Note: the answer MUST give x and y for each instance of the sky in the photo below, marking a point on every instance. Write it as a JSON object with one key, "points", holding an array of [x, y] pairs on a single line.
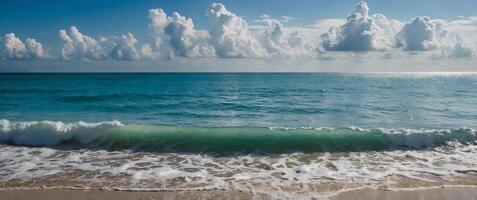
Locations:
{"points": [[238, 36]]}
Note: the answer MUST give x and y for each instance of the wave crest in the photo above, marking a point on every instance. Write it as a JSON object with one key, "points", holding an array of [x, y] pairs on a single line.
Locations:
{"points": [[113, 135], [47, 133]]}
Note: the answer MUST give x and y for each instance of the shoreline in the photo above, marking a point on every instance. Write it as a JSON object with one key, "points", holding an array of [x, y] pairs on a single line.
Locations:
{"points": [[462, 192], [463, 187]]}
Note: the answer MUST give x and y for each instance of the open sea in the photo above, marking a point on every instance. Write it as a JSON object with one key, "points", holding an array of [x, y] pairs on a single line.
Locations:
{"points": [[269, 133]]}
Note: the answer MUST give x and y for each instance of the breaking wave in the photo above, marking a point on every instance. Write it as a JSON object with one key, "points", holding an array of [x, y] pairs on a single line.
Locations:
{"points": [[115, 135]]}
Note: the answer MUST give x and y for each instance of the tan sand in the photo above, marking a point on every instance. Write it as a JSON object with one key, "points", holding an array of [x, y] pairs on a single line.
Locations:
{"points": [[71, 194], [364, 194], [422, 194]]}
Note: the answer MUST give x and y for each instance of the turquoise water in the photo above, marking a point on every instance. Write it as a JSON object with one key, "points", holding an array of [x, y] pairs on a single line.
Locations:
{"points": [[229, 112], [250, 140], [257, 100]]}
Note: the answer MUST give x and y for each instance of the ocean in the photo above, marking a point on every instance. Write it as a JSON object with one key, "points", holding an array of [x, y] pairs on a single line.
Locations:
{"points": [[267, 133]]}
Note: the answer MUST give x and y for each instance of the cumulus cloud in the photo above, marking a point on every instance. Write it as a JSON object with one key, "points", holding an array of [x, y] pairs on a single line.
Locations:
{"points": [[465, 26], [230, 36], [364, 32], [460, 50], [16, 49], [125, 48], [147, 53], [176, 35], [185, 40], [274, 40], [79, 46], [421, 34], [277, 44], [360, 32], [35, 48], [424, 34], [159, 21], [455, 49]]}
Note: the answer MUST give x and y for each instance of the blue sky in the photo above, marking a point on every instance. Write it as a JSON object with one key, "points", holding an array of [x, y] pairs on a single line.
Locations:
{"points": [[40, 18], [110, 19]]}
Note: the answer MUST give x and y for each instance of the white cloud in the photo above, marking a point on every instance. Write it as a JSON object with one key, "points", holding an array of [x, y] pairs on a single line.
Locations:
{"points": [[125, 48], [364, 32], [175, 35], [187, 41], [455, 49], [103, 39], [36, 48], [465, 26], [147, 53], [79, 46], [230, 36], [360, 32], [323, 25], [460, 50], [16, 49], [425, 34], [159, 21], [267, 19], [278, 44], [421, 34], [274, 40]]}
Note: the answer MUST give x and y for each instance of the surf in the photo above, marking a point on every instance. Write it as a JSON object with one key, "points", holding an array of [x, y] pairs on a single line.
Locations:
{"points": [[115, 135]]}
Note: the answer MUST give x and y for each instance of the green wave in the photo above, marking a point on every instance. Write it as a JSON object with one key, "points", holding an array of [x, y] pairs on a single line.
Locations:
{"points": [[248, 140], [114, 135]]}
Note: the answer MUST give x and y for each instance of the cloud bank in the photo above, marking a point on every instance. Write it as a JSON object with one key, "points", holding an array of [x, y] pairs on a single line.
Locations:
{"points": [[227, 35]]}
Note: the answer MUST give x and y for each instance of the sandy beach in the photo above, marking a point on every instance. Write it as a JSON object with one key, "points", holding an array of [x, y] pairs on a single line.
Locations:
{"points": [[82, 185], [462, 193]]}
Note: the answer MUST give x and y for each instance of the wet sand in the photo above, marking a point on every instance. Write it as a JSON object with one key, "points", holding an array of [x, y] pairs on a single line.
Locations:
{"points": [[72, 194], [463, 193], [421, 194], [431, 187]]}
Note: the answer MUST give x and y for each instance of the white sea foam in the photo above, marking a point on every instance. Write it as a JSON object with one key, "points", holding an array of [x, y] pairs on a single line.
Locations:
{"points": [[260, 174], [406, 137], [41, 133], [272, 174]]}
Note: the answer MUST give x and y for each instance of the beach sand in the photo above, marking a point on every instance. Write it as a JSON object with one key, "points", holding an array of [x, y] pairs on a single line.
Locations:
{"points": [[462, 188], [72, 194], [364, 194], [418, 194]]}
